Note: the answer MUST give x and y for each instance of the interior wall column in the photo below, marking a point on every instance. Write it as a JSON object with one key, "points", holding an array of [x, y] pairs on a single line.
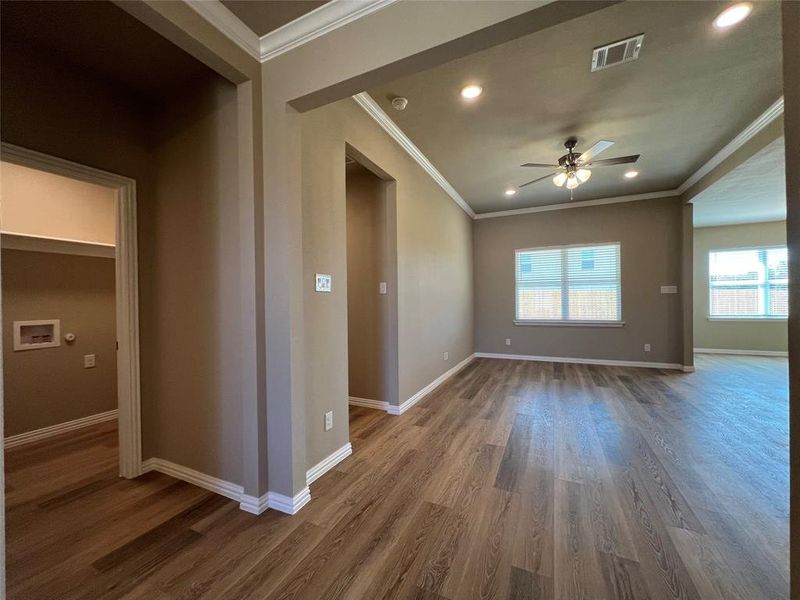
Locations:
{"points": [[283, 229], [791, 95], [251, 243], [687, 284]]}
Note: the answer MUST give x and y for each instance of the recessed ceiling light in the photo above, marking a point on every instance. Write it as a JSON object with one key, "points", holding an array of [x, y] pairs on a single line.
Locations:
{"points": [[733, 15], [631, 174], [471, 91], [510, 192]]}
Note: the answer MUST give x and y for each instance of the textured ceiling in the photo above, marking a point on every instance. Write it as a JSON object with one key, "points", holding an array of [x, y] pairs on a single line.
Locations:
{"points": [[691, 91], [263, 16], [753, 192]]}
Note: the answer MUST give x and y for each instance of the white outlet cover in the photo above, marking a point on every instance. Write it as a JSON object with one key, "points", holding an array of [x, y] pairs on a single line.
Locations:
{"points": [[669, 289], [508, 341], [329, 420], [322, 282], [447, 356], [89, 361], [647, 347]]}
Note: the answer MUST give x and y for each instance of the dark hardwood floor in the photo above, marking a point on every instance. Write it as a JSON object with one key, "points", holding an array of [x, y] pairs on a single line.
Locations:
{"points": [[513, 480]]}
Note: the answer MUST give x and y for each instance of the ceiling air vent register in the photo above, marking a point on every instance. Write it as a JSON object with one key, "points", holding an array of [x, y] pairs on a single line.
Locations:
{"points": [[617, 53]]}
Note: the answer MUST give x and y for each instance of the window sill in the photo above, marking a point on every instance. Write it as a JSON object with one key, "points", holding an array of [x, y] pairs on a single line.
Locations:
{"points": [[555, 323], [748, 319]]}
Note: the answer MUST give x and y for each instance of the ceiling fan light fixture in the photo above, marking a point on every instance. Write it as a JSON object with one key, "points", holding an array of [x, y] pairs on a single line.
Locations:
{"points": [[631, 174], [583, 175], [510, 192], [572, 181], [560, 179]]}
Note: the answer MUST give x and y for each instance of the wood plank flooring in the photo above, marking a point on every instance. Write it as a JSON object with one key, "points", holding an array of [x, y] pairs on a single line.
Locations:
{"points": [[514, 480]]}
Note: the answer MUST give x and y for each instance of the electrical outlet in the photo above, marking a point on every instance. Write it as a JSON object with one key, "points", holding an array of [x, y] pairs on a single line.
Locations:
{"points": [[88, 361], [508, 341], [647, 347], [447, 356], [329, 420]]}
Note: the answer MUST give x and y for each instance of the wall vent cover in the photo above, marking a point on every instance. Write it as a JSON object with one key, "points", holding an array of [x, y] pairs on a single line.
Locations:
{"points": [[617, 53]]}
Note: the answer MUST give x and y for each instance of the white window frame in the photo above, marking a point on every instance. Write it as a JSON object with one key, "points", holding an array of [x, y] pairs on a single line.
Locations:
{"points": [[564, 287], [710, 286]]}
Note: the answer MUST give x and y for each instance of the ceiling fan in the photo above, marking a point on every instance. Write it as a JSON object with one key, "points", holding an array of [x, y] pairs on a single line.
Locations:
{"points": [[572, 168]]}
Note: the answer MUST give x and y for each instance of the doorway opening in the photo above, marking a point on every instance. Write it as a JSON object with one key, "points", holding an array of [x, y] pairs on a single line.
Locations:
{"points": [[70, 309], [371, 290]]}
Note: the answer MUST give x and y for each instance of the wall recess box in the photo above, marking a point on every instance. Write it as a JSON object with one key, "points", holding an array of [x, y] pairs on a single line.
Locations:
{"points": [[32, 335]]}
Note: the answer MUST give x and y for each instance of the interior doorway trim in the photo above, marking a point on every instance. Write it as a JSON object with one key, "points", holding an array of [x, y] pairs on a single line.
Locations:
{"points": [[127, 292]]}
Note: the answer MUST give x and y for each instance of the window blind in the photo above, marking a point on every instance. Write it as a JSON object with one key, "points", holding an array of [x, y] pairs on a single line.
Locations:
{"points": [[751, 283], [568, 283]]}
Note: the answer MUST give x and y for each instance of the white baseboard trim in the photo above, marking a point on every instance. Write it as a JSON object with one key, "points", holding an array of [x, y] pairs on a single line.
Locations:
{"points": [[207, 482], [327, 463], [367, 403], [742, 352], [47, 432], [399, 410], [583, 361], [279, 502], [234, 491], [688, 369]]}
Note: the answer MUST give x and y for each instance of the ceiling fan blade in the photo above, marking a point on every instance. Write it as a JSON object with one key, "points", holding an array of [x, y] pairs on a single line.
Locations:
{"points": [[620, 160], [539, 179], [594, 151], [539, 165]]}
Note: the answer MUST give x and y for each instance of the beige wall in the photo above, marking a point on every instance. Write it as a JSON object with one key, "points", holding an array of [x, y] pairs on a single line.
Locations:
{"points": [[365, 306], [650, 235], [434, 268], [735, 335], [43, 204], [50, 386], [185, 166]]}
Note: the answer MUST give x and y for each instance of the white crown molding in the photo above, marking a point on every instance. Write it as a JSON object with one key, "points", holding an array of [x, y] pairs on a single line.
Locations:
{"points": [[216, 13], [207, 482], [768, 116], [47, 432], [583, 361], [580, 204], [371, 107], [741, 352], [327, 463], [10, 240], [328, 17]]}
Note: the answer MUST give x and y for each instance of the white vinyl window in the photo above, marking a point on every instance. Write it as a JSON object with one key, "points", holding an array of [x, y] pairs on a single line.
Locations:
{"points": [[748, 283], [569, 284]]}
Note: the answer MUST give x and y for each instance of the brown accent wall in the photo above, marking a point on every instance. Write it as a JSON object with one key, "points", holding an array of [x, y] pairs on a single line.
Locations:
{"points": [[49, 386], [651, 239]]}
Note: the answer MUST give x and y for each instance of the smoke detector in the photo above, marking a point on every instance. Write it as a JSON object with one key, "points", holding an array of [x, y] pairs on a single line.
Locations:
{"points": [[617, 53], [399, 103]]}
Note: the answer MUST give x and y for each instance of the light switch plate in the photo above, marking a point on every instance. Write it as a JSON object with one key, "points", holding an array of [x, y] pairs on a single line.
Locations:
{"points": [[88, 361], [669, 289], [329, 420], [322, 282], [382, 287]]}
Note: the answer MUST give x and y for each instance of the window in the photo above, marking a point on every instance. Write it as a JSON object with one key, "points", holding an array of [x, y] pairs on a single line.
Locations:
{"points": [[749, 284], [569, 283]]}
